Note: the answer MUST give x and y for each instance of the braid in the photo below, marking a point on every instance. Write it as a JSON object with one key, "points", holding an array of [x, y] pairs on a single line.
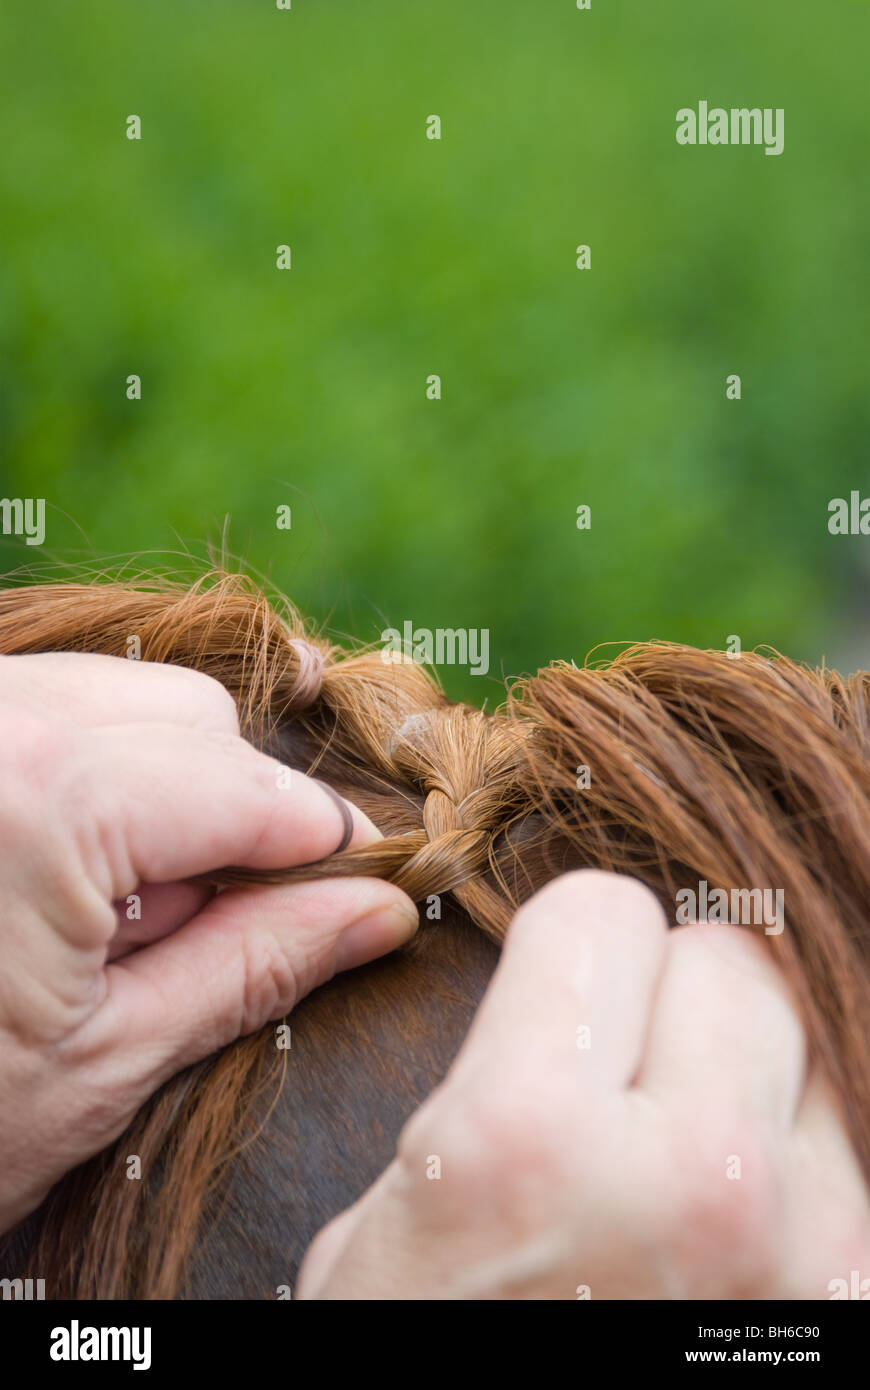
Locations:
{"points": [[739, 772]]}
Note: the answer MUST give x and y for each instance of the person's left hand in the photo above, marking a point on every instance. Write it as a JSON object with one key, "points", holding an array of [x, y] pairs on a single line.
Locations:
{"points": [[119, 780]]}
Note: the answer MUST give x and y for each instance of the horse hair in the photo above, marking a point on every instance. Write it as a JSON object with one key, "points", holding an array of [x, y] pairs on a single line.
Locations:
{"points": [[746, 772]]}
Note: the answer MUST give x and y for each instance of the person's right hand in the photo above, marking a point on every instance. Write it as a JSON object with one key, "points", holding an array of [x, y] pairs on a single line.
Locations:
{"points": [[684, 1153]]}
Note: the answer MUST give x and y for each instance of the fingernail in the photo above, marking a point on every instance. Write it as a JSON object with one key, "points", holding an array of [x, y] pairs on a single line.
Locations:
{"points": [[358, 829], [365, 832], [376, 934]]}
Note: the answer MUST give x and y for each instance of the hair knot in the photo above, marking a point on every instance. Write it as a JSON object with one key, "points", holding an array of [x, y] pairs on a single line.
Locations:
{"points": [[309, 677]]}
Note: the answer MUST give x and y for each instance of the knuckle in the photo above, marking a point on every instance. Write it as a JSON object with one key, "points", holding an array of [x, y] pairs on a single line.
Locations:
{"points": [[752, 983], [271, 982], [215, 705], [743, 950], [513, 1146], [726, 1208], [596, 890], [56, 845], [632, 900], [37, 770], [230, 743], [32, 747]]}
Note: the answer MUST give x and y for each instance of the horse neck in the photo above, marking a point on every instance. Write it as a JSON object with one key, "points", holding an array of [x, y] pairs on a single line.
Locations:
{"points": [[365, 1051]]}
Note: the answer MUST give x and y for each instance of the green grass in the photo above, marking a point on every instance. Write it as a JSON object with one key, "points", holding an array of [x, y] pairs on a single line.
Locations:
{"points": [[413, 257]]}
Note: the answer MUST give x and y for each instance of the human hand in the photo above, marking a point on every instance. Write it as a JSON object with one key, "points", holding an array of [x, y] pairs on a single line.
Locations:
{"points": [[122, 778], [685, 1152]]}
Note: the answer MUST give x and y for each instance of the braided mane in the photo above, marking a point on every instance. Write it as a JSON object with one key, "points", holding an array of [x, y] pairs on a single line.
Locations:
{"points": [[742, 772]]}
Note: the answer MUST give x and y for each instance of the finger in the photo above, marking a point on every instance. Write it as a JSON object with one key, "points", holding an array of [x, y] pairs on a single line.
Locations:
{"points": [[157, 909], [91, 689], [334, 1243], [248, 957], [725, 1028], [827, 1202], [575, 982], [820, 1131], [168, 803]]}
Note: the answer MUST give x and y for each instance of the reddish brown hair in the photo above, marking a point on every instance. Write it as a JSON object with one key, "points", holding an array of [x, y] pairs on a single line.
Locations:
{"points": [[745, 772]]}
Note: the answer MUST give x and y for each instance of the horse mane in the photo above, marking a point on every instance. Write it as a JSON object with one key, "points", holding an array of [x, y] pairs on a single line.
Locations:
{"points": [[746, 772]]}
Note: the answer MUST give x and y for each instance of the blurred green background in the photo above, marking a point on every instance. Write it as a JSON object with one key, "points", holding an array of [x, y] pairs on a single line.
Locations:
{"points": [[413, 257]]}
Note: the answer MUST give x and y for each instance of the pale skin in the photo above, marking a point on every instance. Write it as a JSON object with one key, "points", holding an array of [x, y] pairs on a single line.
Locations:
{"points": [[684, 1149], [688, 1151], [122, 778]]}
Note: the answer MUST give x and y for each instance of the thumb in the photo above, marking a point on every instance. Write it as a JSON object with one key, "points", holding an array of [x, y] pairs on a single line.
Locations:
{"points": [[248, 957]]}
